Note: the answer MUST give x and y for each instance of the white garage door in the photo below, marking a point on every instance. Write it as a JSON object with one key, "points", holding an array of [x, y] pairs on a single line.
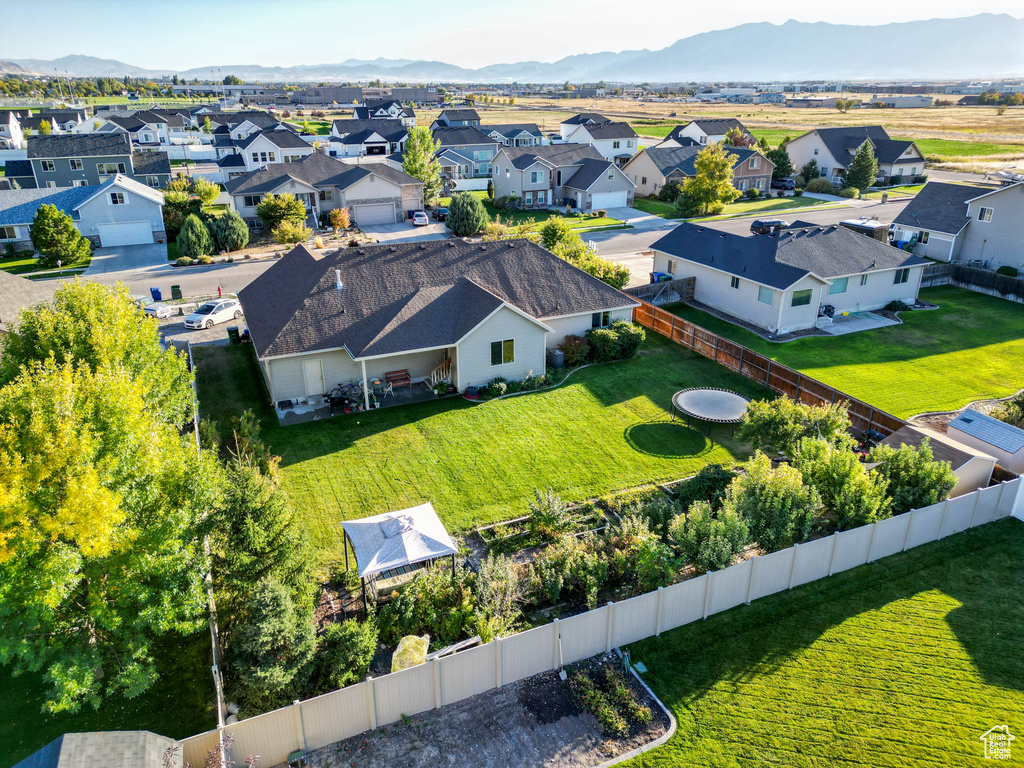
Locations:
{"points": [[125, 233], [366, 215], [608, 200]]}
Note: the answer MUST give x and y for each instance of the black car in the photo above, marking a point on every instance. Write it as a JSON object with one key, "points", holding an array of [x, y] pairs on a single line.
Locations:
{"points": [[440, 214], [767, 226], [786, 183]]}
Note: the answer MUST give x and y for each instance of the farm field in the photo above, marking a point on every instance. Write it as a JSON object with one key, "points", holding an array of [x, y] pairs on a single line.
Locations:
{"points": [[902, 662], [971, 348], [605, 429]]}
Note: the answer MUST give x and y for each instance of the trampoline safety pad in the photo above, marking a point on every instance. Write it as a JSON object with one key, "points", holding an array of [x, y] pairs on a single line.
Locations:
{"points": [[718, 406]]}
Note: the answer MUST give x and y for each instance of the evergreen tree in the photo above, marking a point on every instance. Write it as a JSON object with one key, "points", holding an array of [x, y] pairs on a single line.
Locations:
{"points": [[490, 189], [466, 215], [420, 161], [783, 165], [810, 171], [230, 232], [56, 238], [863, 169], [194, 239], [711, 187]]}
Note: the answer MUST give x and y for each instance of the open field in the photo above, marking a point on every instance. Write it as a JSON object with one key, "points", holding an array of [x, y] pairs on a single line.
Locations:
{"points": [[902, 662], [971, 348], [179, 704], [606, 429]]}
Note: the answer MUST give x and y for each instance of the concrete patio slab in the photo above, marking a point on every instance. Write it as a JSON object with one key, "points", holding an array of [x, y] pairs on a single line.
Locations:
{"points": [[854, 322]]}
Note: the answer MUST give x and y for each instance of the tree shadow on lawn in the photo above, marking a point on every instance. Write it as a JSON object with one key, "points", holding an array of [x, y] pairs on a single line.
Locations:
{"points": [[667, 439], [979, 568]]}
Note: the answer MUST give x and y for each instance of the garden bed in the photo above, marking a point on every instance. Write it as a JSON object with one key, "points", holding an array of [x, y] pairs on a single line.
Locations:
{"points": [[512, 536]]}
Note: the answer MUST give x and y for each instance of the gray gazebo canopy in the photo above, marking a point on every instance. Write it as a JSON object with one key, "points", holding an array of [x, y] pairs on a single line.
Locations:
{"points": [[395, 539]]}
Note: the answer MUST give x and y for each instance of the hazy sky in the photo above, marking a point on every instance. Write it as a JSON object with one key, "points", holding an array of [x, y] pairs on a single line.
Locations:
{"points": [[196, 33]]}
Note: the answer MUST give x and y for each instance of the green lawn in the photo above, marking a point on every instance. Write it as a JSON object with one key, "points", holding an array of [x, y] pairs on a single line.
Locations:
{"points": [[951, 149], [903, 662], [971, 348], [903, 191], [322, 127], [776, 135], [740, 207], [179, 705], [20, 266], [606, 429]]}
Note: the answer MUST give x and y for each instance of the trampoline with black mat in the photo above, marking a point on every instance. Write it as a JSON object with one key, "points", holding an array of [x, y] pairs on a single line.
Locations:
{"points": [[710, 404]]}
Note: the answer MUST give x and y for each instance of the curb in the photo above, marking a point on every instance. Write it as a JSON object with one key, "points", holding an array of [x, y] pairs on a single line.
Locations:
{"points": [[672, 726]]}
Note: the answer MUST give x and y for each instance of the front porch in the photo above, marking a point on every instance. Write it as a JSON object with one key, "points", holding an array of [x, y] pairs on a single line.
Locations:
{"points": [[316, 409]]}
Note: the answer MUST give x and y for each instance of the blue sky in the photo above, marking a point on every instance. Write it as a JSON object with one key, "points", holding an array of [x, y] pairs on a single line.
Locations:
{"points": [[156, 34]]}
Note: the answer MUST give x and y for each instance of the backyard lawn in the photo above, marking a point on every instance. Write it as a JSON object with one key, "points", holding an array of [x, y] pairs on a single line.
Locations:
{"points": [[606, 429], [903, 662], [179, 704], [740, 207], [971, 348]]}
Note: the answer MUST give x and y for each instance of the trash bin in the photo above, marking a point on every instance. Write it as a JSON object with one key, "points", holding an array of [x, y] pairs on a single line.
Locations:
{"points": [[411, 214], [155, 293], [555, 358], [885, 198], [175, 291], [234, 335]]}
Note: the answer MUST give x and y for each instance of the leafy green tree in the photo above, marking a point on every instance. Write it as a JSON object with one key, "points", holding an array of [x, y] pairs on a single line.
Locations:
{"points": [[206, 190], [776, 505], [863, 169], [707, 485], [555, 231], [233, 80], [913, 478], [194, 239], [94, 325], [810, 170], [637, 559], [780, 424], [737, 138], [273, 209], [466, 214], [101, 546], [850, 494], [207, 125], [345, 653], [419, 159], [711, 186], [1012, 411], [270, 655], [783, 165], [55, 237], [763, 146], [290, 232], [230, 232], [45, 129], [708, 539]]}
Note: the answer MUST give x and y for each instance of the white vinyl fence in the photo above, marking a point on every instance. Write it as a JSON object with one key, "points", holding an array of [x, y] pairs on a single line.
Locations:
{"points": [[314, 723]]}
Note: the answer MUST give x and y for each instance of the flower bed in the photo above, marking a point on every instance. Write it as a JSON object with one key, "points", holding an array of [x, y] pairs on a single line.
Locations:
{"points": [[514, 535]]}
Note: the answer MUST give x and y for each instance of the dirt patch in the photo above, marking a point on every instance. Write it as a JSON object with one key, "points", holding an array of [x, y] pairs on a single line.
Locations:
{"points": [[534, 722], [940, 421]]}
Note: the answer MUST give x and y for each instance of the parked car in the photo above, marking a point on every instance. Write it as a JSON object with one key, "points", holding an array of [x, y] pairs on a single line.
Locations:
{"points": [[440, 214], [419, 219], [784, 183], [213, 312], [767, 226], [153, 308]]}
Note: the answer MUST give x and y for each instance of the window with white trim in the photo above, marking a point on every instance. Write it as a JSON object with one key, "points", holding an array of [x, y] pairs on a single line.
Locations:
{"points": [[922, 236], [541, 197], [601, 319], [8, 233], [51, 184], [643, 179], [79, 182], [251, 201], [755, 162], [765, 295], [503, 352], [902, 276], [615, 145], [326, 195], [153, 181], [815, 150], [536, 177], [672, 265], [839, 285], [48, 166], [77, 165], [734, 282], [801, 298], [109, 169], [118, 198], [863, 279], [482, 154], [985, 214], [527, 198]]}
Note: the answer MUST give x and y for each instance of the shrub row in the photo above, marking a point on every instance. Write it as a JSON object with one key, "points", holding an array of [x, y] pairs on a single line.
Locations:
{"points": [[619, 341], [499, 385]]}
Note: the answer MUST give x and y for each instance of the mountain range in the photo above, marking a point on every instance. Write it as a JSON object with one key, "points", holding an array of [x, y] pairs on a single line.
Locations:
{"points": [[981, 46]]}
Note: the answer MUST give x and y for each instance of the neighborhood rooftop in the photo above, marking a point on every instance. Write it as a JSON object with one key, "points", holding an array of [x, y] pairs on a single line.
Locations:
{"points": [[939, 207], [668, 159], [555, 154], [1003, 436], [315, 170], [75, 145]]}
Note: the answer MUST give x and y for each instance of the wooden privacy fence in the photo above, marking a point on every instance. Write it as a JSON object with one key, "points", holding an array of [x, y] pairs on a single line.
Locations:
{"points": [[315, 723], [973, 279], [756, 367]]}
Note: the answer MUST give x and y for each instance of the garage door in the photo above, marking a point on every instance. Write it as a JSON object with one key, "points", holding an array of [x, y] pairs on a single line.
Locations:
{"points": [[374, 214], [125, 233], [608, 200]]}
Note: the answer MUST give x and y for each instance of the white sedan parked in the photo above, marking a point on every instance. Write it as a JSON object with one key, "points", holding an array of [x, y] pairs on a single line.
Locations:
{"points": [[213, 312]]}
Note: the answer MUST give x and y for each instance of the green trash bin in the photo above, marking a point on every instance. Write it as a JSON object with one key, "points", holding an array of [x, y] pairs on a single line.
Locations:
{"points": [[175, 291], [234, 335]]}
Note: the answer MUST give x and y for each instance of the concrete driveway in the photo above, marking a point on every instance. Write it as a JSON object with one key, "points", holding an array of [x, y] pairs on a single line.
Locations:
{"points": [[406, 233], [127, 257]]}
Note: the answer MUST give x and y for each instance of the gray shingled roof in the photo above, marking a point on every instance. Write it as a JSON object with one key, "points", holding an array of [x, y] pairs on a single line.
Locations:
{"points": [[668, 159], [611, 131], [590, 170], [556, 154], [780, 260], [392, 130], [151, 163], [459, 114], [994, 432], [104, 749], [283, 139], [461, 135], [585, 118], [18, 168], [409, 296], [843, 141], [712, 126], [79, 145], [18, 206], [317, 170], [939, 207], [363, 113], [511, 130]]}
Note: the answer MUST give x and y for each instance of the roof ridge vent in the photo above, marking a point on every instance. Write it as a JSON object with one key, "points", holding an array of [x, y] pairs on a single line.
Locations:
{"points": [[392, 249], [483, 246], [423, 246]]}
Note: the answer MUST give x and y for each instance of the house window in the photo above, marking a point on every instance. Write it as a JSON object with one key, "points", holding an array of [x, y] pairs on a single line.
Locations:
{"points": [[251, 201], [802, 298], [615, 145], [815, 151], [902, 276], [601, 319], [51, 184], [147, 137], [839, 285], [629, 143], [117, 198], [77, 165], [611, 176], [47, 165], [536, 177], [326, 195], [527, 198], [765, 295], [482, 154], [7, 233], [755, 162], [922, 237], [863, 279], [541, 197], [270, 156], [643, 179], [106, 169], [153, 181], [703, 139], [255, 157], [78, 182], [559, 179], [734, 282], [508, 172], [503, 352], [672, 264], [913, 171], [742, 185], [985, 214]]}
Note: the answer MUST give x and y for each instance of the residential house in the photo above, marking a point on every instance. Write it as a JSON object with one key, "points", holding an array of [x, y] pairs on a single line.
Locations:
{"points": [[654, 167], [973, 468], [834, 148], [385, 110], [570, 124], [597, 185], [456, 118], [109, 749], [32, 126], [445, 309], [617, 142], [374, 193], [120, 211], [704, 131], [356, 138], [90, 159], [67, 120], [780, 282], [466, 152], [537, 175], [995, 236], [1003, 441], [515, 134], [146, 132], [11, 134], [263, 148]]}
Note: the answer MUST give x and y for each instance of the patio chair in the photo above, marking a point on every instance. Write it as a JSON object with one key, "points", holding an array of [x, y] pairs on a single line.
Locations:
{"points": [[387, 389]]}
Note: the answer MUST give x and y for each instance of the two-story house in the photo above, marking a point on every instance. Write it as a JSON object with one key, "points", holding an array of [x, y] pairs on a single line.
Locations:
{"points": [[385, 110], [617, 142], [357, 138], [456, 118], [266, 147], [558, 175], [67, 120], [145, 134], [466, 152], [654, 167], [11, 134], [834, 148], [704, 131], [515, 134], [570, 124], [74, 160]]}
